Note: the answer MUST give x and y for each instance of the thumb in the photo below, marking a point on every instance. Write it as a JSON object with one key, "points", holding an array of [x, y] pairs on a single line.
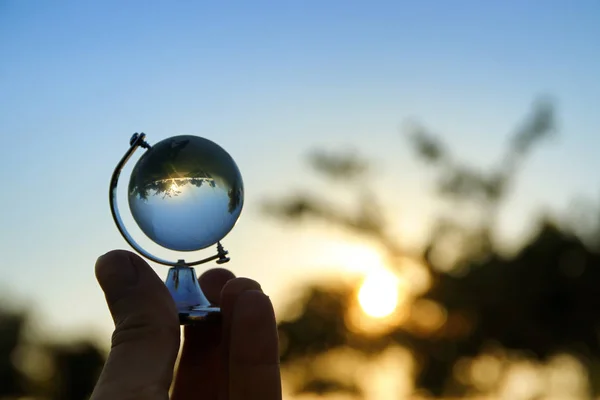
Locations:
{"points": [[146, 337]]}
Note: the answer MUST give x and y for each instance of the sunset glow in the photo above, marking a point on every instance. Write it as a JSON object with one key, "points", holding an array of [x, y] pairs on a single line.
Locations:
{"points": [[378, 295]]}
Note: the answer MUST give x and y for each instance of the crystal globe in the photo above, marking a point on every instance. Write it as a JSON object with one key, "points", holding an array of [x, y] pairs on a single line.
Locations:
{"points": [[186, 193]]}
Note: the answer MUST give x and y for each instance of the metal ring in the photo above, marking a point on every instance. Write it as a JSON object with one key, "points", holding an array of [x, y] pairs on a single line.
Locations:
{"points": [[137, 141]]}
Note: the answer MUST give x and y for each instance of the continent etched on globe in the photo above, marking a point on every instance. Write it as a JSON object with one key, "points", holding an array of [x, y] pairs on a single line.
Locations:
{"points": [[186, 193]]}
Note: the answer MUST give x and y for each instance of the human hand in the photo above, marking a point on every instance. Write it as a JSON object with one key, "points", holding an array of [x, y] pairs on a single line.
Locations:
{"points": [[236, 359]]}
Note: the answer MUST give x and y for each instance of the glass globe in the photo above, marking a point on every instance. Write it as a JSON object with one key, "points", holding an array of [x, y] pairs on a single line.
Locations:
{"points": [[186, 193]]}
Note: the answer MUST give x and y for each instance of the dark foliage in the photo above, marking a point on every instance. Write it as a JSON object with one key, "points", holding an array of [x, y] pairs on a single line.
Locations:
{"points": [[12, 381], [74, 368], [77, 368], [543, 300]]}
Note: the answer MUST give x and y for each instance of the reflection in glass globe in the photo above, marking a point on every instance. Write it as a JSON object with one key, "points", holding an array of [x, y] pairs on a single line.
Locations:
{"points": [[186, 193]]}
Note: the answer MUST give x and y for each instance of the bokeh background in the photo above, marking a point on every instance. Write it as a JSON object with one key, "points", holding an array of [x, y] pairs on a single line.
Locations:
{"points": [[421, 184]]}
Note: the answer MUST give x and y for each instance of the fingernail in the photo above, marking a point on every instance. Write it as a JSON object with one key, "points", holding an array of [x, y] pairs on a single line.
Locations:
{"points": [[254, 333]]}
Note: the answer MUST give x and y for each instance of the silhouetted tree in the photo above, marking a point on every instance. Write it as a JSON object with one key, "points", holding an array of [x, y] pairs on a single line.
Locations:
{"points": [[542, 300], [173, 163], [77, 368], [12, 382], [73, 368]]}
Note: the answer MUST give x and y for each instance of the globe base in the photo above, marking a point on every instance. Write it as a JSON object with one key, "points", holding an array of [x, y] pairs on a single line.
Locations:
{"points": [[199, 315], [192, 306]]}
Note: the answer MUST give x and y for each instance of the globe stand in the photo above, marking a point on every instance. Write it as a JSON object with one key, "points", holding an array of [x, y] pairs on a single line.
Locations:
{"points": [[192, 305]]}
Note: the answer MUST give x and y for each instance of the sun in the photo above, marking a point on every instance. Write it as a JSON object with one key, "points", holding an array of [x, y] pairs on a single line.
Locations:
{"points": [[381, 292], [378, 294]]}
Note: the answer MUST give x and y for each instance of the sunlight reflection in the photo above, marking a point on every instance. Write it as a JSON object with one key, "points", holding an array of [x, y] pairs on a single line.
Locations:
{"points": [[566, 376], [513, 375], [387, 376], [426, 316]]}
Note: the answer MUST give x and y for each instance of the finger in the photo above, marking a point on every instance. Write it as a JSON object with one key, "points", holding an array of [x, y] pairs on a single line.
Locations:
{"points": [[199, 365], [146, 337], [213, 281], [203, 367], [254, 350], [229, 298]]}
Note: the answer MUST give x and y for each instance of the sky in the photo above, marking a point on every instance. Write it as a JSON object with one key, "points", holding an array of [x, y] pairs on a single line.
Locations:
{"points": [[268, 81]]}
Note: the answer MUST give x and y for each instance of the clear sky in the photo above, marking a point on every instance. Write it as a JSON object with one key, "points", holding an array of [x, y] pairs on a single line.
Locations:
{"points": [[268, 80]]}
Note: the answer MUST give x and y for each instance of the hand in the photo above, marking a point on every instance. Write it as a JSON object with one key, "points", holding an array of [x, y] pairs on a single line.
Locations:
{"points": [[232, 360]]}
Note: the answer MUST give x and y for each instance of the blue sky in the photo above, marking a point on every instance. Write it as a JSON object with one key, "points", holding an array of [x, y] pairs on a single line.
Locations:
{"points": [[268, 80]]}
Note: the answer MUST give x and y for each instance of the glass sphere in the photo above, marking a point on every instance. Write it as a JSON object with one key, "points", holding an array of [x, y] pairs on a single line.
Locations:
{"points": [[186, 193]]}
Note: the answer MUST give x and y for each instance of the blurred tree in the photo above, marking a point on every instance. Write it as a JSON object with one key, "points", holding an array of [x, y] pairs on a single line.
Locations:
{"points": [[73, 368], [76, 369], [544, 300], [12, 382]]}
